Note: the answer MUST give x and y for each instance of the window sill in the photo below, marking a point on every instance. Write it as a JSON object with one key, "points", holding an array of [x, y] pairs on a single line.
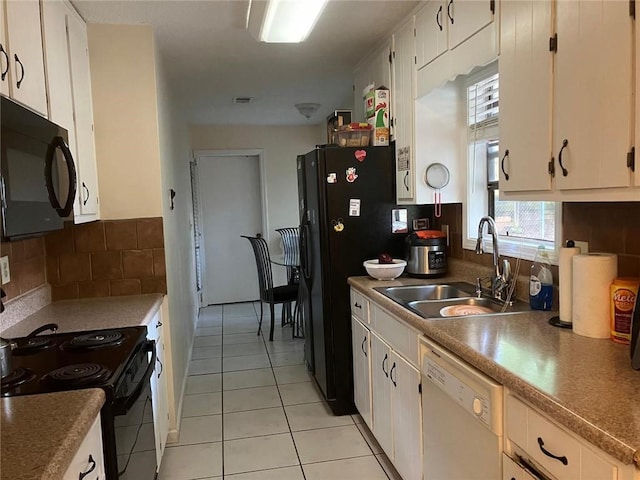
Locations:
{"points": [[510, 247]]}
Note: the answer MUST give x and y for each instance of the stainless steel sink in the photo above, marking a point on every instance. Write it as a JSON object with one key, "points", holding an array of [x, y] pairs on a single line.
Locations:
{"points": [[410, 293], [428, 301]]}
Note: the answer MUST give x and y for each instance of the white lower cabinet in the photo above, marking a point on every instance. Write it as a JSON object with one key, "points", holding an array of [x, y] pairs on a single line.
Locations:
{"points": [[387, 390], [361, 345], [88, 462], [159, 397], [396, 406], [512, 471], [553, 450]]}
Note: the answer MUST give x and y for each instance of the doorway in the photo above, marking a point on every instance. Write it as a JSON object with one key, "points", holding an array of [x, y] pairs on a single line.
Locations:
{"points": [[231, 204]]}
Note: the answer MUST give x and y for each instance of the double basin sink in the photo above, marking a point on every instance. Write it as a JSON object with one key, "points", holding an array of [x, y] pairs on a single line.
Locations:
{"points": [[454, 299]]}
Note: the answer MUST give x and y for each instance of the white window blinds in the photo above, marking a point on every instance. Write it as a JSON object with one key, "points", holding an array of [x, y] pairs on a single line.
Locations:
{"points": [[483, 98]]}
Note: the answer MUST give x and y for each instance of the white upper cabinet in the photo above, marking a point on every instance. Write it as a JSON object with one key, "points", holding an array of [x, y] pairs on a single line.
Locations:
{"points": [[445, 25], [4, 55], [525, 95], [402, 94], [83, 113], [24, 41], [432, 25], [70, 102], [375, 69], [467, 17], [593, 94]]}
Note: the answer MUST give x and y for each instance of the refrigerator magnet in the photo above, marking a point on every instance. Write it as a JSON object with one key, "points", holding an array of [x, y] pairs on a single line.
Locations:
{"points": [[338, 226], [351, 174], [354, 207], [332, 178], [360, 155]]}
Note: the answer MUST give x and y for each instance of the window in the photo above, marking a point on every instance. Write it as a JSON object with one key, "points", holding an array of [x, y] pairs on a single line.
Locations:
{"points": [[522, 225]]}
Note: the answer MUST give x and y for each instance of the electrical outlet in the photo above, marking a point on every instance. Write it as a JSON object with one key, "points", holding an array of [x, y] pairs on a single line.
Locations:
{"points": [[584, 246], [4, 269], [445, 229]]}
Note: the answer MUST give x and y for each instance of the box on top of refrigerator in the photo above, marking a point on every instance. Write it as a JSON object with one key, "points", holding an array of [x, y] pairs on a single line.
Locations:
{"points": [[377, 112]]}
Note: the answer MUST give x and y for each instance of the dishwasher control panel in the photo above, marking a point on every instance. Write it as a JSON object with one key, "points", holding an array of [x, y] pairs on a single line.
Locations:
{"points": [[472, 401], [477, 394]]}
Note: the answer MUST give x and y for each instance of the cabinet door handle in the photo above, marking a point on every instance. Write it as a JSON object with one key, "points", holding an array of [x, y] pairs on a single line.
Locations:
{"points": [[562, 459], [357, 305], [565, 172], [449, 11], [364, 340], [384, 360], [393, 368], [3, 75], [159, 324], [161, 367], [439, 18], [15, 57], [506, 154], [406, 181], [91, 469], [86, 189]]}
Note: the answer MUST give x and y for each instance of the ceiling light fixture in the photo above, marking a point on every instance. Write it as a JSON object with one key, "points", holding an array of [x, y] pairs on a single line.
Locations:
{"points": [[307, 109], [283, 21]]}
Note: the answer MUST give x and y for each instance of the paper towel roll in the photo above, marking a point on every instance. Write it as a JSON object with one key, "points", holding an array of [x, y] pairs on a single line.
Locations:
{"points": [[565, 282], [592, 277]]}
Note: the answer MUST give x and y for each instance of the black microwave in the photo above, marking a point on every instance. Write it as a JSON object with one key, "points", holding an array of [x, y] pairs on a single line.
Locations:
{"points": [[37, 173]]}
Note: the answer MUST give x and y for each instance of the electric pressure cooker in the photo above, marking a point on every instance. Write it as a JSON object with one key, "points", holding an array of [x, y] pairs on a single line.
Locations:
{"points": [[426, 253]]}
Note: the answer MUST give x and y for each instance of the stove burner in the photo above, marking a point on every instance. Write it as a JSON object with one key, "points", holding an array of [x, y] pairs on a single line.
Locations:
{"points": [[17, 377], [35, 344], [94, 340], [79, 374]]}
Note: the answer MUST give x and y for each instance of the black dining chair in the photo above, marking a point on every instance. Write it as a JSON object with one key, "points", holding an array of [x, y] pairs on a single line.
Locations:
{"points": [[268, 293], [291, 247]]}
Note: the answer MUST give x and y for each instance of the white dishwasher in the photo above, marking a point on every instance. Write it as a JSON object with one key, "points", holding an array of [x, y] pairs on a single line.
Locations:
{"points": [[462, 418]]}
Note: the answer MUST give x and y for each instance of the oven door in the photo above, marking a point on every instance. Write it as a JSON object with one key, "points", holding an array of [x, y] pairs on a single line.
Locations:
{"points": [[131, 422]]}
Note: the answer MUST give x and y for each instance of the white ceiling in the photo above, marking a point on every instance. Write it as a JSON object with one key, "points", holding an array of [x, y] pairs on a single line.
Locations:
{"points": [[212, 58]]}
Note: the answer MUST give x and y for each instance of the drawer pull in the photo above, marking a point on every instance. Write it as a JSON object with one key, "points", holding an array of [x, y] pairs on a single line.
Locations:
{"points": [[357, 305], [91, 469], [562, 459]]}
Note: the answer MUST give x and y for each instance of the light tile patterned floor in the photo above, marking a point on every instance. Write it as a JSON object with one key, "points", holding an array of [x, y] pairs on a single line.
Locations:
{"points": [[252, 412]]}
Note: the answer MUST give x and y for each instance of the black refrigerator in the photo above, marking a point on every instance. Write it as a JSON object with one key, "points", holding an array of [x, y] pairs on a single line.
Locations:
{"points": [[346, 198]]}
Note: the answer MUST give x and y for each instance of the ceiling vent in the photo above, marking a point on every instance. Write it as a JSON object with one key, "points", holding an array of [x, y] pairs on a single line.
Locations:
{"points": [[242, 100]]}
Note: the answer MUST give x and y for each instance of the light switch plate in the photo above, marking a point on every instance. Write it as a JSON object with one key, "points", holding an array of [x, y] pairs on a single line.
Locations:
{"points": [[4, 270], [584, 246]]}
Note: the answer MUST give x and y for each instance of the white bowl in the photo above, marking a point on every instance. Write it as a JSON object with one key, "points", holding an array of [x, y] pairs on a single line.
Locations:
{"points": [[385, 271]]}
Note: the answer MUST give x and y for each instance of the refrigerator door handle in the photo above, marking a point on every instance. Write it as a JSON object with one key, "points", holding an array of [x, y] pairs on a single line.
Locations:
{"points": [[305, 252]]}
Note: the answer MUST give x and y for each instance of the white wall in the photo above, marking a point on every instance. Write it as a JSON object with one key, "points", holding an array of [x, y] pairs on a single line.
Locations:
{"points": [[280, 145], [124, 100], [142, 150], [178, 233]]}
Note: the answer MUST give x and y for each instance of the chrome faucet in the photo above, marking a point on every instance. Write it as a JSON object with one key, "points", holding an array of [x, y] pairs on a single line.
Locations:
{"points": [[501, 280]]}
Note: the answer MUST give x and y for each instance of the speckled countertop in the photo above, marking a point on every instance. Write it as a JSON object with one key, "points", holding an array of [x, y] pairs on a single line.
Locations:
{"points": [[585, 384], [90, 314], [41, 433]]}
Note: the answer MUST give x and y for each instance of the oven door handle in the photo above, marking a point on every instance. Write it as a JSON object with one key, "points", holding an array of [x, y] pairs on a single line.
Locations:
{"points": [[123, 404]]}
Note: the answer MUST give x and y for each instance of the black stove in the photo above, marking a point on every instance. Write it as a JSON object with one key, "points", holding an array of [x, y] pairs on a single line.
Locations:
{"points": [[119, 361], [67, 361]]}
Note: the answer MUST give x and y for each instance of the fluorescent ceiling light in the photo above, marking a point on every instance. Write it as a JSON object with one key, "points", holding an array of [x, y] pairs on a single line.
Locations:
{"points": [[290, 21]]}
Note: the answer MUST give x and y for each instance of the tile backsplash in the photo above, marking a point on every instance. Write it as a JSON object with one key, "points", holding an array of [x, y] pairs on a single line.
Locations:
{"points": [[98, 259], [26, 265], [612, 227], [106, 258]]}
